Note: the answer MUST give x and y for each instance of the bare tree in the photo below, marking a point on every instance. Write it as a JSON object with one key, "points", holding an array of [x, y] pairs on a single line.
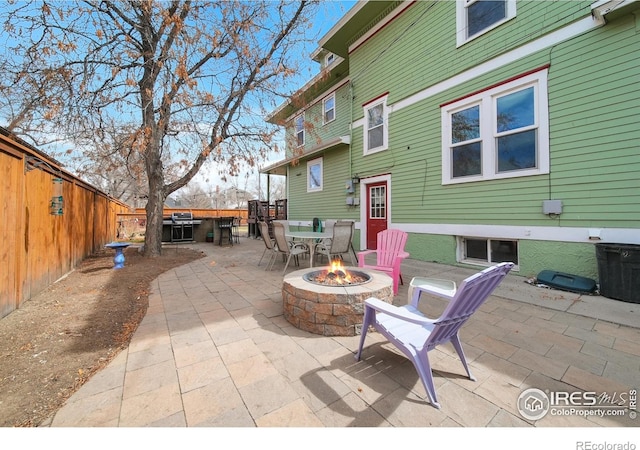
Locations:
{"points": [[189, 79], [193, 195]]}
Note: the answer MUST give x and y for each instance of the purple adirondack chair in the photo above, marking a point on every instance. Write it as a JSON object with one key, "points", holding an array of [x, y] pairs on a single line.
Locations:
{"points": [[415, 334]]}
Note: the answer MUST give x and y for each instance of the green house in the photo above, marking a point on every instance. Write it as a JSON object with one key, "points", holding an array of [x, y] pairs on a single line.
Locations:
{"points": [[488, 130]]}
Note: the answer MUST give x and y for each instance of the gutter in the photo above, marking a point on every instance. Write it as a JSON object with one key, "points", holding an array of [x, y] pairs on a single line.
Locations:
{"points": [[341, 140]]}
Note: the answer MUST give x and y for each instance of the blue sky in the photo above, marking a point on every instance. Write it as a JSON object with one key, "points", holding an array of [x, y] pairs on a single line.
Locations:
{"points": [[332, 11], [329, 13]]}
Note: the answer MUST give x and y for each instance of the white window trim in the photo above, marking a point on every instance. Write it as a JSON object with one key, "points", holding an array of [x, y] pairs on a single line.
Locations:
{"points": [[461, 253], [385, 123], [296, 132], [311, 163], [329, 59], [487, 101], [461, 21], [324, 109]]}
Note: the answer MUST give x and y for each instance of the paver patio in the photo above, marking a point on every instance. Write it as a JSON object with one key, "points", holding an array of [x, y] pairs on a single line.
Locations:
{"points": [[215, 351]]}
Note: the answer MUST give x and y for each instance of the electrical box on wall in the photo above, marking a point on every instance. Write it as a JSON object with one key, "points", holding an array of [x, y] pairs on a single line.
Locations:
{"points": [[349, 186], [552, 206], [353, 201]]}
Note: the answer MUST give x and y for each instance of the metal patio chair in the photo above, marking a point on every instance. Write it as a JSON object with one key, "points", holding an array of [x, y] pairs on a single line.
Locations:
{"points": [[290, 249], [269, 244], [340, 242]]}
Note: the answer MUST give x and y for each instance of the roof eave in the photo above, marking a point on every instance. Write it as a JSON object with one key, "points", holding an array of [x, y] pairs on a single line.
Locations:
{"points": [[280, 167]]}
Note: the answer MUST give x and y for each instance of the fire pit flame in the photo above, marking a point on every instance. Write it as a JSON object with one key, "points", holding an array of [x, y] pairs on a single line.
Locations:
{"points": [[337, 275]]}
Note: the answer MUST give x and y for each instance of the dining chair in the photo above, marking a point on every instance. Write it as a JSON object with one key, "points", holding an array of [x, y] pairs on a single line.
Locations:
{"points": [[285, 224], [340, 242], [415, 334], [269, 244], [290, 249]]}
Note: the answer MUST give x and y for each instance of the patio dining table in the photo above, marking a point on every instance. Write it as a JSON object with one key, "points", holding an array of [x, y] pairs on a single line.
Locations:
{"points": [[309, 238]]}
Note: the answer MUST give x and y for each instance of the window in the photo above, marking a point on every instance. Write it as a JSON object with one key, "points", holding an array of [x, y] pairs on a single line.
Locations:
{"points": [[378, 202], [329, 59], [376, 133], [329, 107], [487, 251], [300, 130], [314, 175], [476, 17], [497, 133]]}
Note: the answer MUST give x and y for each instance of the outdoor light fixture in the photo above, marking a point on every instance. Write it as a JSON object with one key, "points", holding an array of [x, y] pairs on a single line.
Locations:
{"points": [[355, 179], [55, 206], [56, 199]]}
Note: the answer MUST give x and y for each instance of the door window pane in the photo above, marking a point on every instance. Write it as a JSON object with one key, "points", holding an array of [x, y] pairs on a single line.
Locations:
{"points": [[378, 202]]}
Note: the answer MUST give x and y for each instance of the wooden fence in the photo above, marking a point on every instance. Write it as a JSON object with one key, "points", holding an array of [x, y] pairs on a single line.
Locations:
{"points": [[41, 242]]}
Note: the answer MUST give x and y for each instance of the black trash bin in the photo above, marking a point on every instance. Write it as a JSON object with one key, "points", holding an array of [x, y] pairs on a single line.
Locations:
{"points": [[619, 271]]}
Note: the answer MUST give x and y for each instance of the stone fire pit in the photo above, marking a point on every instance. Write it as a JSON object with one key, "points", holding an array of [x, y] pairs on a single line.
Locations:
{"points": [[331, 310]]}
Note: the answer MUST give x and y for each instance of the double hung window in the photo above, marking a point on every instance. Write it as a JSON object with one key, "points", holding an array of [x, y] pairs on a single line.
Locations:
{"points": [[476, 17], [376, 132], [299, 122], [501, 132], [329, 108], [314, 175]]}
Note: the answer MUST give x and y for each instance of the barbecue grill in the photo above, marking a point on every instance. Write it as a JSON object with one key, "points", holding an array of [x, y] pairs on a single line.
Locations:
{"points": [[182, 224]]}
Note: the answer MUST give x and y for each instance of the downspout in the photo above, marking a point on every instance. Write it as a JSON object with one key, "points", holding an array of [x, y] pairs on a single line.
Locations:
{"points": [[350, 128]]}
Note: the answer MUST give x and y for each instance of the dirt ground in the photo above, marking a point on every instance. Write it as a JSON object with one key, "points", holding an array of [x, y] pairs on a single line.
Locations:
{"points": [[57, 340]]}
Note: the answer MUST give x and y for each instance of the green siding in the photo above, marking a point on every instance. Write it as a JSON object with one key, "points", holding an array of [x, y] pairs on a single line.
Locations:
{"points": [[594, 110], [594, 102], [424, 35], [594, 133], [317, 132], [330, 203]]}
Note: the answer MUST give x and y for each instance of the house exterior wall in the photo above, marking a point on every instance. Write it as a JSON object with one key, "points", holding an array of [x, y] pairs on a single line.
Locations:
{"points": [[316, 131], [330, 202], [593, 74]]}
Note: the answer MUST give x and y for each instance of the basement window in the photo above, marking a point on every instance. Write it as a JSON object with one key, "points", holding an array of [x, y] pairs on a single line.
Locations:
{"points": [[487, 252]]}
